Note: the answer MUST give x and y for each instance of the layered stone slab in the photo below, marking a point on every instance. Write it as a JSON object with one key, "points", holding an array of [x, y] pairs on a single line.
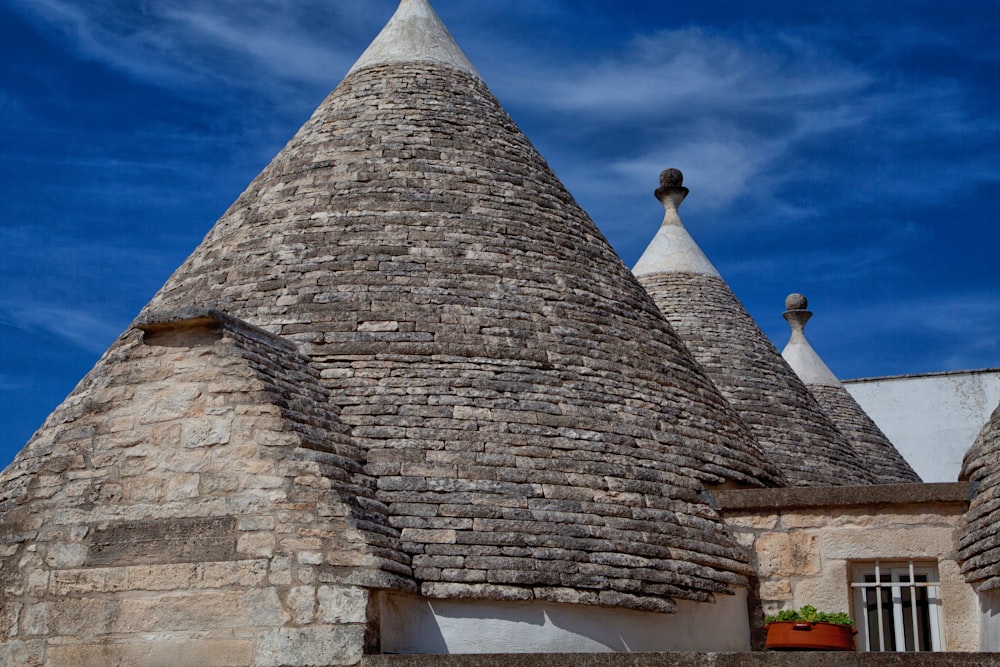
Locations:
{"points": [[979, 542]]}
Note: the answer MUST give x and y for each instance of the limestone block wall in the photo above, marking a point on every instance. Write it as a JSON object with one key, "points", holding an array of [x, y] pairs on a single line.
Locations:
{"points": [[190, 504], [803, 544]]}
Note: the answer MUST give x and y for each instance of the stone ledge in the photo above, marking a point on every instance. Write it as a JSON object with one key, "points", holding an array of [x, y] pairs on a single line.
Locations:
{"points": [[197, 317], [841, 496], [776, 659]]}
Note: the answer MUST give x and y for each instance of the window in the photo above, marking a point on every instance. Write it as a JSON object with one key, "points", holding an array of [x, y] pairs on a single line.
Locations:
{"points": [[897, 606]]}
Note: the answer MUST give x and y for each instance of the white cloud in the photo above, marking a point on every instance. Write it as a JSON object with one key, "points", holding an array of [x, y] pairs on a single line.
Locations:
{"points": [[183, 43], [752, 114], [85, 329], [692, 70]]}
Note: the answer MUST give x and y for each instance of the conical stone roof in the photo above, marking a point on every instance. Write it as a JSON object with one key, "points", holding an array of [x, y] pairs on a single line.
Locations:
{"points": [[531, 425], [881, 457], [506, 375], [979, 536], [790, 425]]}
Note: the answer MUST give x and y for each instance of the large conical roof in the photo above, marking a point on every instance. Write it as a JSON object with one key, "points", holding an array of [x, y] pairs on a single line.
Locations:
{"points": [[532, 426], [790, 425], [881, 457], [979, 537]]}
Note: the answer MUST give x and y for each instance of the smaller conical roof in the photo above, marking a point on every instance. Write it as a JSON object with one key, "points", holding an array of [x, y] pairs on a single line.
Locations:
{"points": [[979, 540], [415, 34], [794, 431], [864, 436], [799, 353]]}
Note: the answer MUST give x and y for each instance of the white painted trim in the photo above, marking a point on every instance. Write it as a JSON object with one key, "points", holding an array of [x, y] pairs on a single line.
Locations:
{"points": [[415, 34], [673, 250], [807, 364]]}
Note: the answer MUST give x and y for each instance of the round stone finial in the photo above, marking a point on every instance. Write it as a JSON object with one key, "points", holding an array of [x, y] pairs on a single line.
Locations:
{"points": [[671, 178], [796, 302], [671, 191]]}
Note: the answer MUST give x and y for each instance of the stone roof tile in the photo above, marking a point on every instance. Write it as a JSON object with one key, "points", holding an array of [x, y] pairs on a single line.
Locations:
{"points": [[979, 536], [880, 456], [784, 416]]}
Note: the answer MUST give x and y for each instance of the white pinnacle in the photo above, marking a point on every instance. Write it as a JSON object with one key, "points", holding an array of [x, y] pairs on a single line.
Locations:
{"points": [[799, 354], [673, 250], [415, 34]]}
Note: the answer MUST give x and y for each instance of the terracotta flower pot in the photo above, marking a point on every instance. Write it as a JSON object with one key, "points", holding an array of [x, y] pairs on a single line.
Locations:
{"points": [[801, 636]]}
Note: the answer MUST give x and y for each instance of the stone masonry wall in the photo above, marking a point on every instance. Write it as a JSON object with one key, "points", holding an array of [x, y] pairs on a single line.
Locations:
{"points": [[803, 551], [184, 507]]}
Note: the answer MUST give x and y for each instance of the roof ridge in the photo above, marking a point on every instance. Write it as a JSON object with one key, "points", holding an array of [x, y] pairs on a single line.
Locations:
{"points": [[415, 33]]}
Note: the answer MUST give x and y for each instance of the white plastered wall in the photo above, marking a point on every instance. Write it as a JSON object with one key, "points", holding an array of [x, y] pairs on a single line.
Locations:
{"points": [[415, 625], [989, 625], [931, 419]]}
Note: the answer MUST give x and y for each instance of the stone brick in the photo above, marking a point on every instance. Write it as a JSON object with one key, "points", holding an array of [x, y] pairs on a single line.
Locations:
{"points": [[794, 554], [164, 541], [23, 653], [202, 652], [311, 647], [338, 605], [224, 574]]}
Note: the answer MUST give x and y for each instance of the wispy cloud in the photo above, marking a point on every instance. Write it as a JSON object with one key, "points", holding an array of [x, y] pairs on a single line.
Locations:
{"points": [[9, 383], [83, 328], [683, 72], [188, 43], [912, 333], [739, 113]]}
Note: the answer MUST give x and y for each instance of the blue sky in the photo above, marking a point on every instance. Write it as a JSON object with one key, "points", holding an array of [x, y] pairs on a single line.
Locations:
{"points": [[849, 151]]}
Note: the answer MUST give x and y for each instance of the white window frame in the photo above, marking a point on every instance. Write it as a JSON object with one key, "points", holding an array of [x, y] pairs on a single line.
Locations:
{"points": [[896, 576]]}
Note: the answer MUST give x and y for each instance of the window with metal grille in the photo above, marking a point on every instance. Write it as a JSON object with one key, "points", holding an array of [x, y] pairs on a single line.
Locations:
{"points": [[897, 606]]}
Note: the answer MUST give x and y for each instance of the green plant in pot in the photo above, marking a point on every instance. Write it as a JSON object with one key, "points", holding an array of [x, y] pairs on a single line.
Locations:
{"points": [[808, 629]]}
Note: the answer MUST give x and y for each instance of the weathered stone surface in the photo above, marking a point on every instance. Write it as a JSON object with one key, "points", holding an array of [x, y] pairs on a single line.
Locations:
{"points": [[22, 653], [979, 540], [311, 647], [784, 555], [783, 415], [163, 541], [244, 574], [879, 455], [339, 604], [200, 653]]}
